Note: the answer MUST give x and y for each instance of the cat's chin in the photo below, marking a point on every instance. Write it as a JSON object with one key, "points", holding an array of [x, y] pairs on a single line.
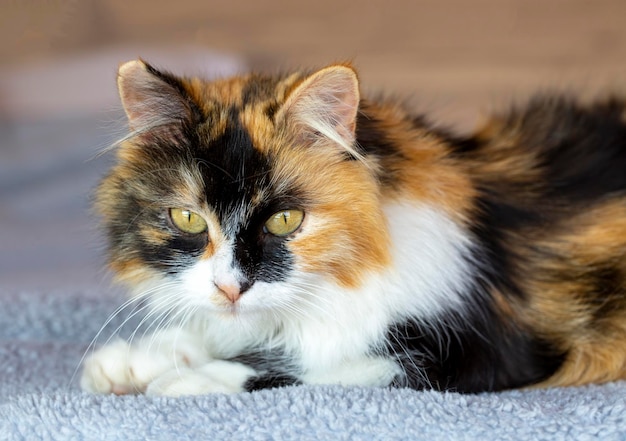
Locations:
{"points": [[236, 311]]}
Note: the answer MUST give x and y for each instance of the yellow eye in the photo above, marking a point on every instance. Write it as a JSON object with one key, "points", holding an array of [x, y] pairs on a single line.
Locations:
{"points": [[284, 222], [187, 221]]}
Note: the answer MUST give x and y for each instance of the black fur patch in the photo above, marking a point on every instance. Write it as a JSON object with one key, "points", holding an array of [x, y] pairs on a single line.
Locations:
{"points": [[178, 253], [470, 353], [235, 171], [273, 370], [270, 380], [494, 221], [583, 150], [372, 140]]}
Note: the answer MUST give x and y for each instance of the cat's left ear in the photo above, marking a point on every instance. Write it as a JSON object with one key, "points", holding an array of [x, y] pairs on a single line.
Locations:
{"points": [[325, 104]]}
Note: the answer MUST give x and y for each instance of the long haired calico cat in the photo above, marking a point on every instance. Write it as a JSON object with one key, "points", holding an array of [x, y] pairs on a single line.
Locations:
{"points": [[285, 230]]}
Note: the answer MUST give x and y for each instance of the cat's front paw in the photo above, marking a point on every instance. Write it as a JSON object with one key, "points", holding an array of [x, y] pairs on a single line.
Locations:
{"points": [[121, 369], [218, 376]]}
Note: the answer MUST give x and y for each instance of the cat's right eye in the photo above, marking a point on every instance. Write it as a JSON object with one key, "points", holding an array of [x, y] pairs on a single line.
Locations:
{"points": [[187, 221]]}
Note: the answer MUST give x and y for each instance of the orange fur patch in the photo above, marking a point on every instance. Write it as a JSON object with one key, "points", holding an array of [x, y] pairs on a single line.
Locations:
{"points": [[350, 237], [569, 306]]}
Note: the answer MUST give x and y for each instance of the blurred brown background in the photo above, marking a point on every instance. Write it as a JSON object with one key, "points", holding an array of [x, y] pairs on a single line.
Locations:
{"points": [[447, 52], [455, 58]]}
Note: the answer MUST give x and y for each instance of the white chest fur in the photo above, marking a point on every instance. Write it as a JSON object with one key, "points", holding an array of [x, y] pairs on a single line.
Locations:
{"points": [[429, 273]]}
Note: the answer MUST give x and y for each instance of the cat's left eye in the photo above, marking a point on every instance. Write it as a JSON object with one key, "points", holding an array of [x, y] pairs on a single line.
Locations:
{"points": [[187, 221], [285, 222]]}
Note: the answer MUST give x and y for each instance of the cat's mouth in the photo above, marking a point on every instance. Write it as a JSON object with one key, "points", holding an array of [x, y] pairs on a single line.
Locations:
{"points": [[230, 311], [228, 308]]}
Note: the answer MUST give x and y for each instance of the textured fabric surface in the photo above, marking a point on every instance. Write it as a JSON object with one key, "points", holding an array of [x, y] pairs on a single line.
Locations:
{"points": [[44, 335]]}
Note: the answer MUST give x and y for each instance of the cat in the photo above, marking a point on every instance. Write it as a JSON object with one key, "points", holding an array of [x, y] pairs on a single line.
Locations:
{"points": [[283, 230]]}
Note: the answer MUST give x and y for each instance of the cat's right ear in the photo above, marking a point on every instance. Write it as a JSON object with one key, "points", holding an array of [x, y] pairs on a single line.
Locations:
{"points": [[150, 98]]}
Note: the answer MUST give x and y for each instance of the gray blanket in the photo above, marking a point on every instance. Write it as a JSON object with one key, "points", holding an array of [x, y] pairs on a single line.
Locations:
{"points": [[43, 336]]}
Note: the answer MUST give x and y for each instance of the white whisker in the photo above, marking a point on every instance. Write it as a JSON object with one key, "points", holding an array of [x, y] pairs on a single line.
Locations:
{"points": [[135, 300]]}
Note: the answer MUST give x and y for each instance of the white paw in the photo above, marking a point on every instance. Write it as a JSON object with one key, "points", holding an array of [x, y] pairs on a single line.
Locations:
{"points": [[121, 369], [376, 372], [215, 377]]}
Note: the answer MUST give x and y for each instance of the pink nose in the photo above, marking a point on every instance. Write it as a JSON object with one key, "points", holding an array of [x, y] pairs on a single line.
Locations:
{"points": [[231, 292]]}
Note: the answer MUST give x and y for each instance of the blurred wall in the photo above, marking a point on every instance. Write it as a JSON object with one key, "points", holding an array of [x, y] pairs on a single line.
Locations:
{"points": [[455, 52]]}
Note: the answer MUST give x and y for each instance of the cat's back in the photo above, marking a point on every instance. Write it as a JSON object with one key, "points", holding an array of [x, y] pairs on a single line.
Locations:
{"points": [[555, 150]]}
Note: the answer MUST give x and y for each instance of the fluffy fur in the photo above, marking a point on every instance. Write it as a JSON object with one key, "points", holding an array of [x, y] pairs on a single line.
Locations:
{"points": [[424, 260]]}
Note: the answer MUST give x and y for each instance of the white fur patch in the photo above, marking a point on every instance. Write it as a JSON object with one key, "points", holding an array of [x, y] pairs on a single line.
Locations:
{"points": [[431, 268], [200, 280]]}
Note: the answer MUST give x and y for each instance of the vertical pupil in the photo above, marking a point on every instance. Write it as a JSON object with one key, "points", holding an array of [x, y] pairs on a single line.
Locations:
{"points": [[187, 215], [285, 216]]}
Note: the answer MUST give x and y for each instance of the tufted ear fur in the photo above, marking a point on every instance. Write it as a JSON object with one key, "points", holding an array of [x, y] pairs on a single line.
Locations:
{"points": [[150, 98], [325, 104]]}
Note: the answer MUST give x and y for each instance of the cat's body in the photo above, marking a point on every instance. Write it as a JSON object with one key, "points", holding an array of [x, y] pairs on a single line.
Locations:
{"points": [[284, 231]]}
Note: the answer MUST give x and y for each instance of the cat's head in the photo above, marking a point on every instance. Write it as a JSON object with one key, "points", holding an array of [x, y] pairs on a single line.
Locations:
{"points": [[247, 191]]}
